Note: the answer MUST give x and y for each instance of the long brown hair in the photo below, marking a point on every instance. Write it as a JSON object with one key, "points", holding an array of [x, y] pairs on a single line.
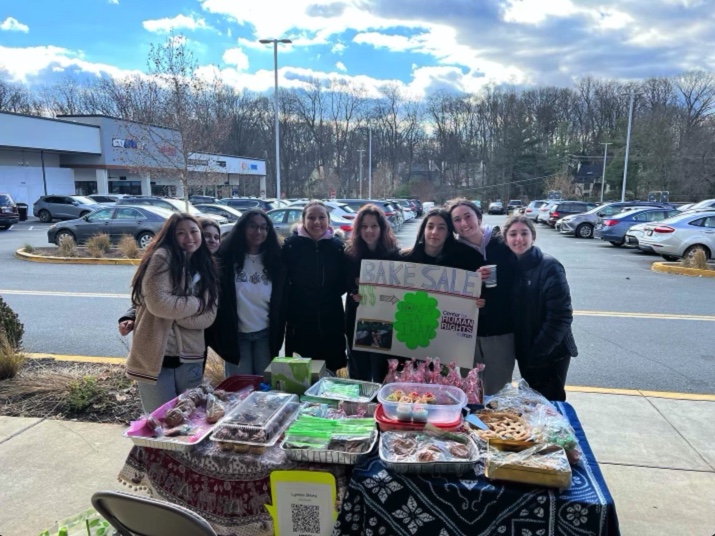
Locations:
{"points": [[180, 270], [357, 248]]}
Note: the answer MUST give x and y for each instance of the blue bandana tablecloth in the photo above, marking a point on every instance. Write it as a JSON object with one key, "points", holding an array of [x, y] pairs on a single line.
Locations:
{"points": [[380, 502]]}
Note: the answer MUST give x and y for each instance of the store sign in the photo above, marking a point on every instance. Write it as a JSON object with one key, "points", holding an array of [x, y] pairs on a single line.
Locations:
{"points": [[124, 143], [418, 310]]}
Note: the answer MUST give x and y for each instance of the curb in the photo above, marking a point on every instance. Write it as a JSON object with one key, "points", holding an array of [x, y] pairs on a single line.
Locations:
{"points": [[22, 255], [679, 269]]}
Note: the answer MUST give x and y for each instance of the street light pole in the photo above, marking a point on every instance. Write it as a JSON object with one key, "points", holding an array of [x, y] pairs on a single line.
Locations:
{"points": [[628, 144], [603, 175], [276, 110], [361, 151], [369, 163]]}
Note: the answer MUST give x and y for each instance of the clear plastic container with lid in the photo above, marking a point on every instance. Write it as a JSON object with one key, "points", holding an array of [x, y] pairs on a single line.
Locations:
{"points": [[419, 402]]}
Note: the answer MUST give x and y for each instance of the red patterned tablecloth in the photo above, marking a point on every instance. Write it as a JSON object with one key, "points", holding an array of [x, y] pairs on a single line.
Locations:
{"points": [[228, 489]]}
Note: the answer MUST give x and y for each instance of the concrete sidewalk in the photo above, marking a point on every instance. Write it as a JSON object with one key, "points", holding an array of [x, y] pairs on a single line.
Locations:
{"points": [[656, 453]]}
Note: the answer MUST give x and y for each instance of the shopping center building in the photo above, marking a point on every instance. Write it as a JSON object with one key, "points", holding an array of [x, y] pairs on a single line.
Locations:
{"points": [[98, 154]]}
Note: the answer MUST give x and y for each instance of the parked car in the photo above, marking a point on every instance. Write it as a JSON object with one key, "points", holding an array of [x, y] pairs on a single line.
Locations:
{"points": [[680, 236], [496, 207], [419, 208], [9, 215], [231, 214], [141, 222], [566, 208], [703, 205], [341, 210], [285, 220], [614, 228], [63, 207], [582, 225], [532, 209], [635, 234], [243, 203], [513, 205], [175, 205], [106, 200], [203, 199]]}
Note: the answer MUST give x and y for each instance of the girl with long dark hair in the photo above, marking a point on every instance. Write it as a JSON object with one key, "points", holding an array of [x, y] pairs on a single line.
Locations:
{"points": [[175, 292], [316, 278], [372, 238], [248, 331]]}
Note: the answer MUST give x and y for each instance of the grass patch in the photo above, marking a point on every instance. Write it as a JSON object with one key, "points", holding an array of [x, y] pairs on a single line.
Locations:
{"points": [[11, 358], [697, 260], [67, 247], [99, 245], [83, 393], [28, 248], [128, 247]]}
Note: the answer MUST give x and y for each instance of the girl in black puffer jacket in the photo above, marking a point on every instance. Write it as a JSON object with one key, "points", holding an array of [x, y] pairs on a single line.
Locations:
{"points": [[316, 280], [542, 313]]}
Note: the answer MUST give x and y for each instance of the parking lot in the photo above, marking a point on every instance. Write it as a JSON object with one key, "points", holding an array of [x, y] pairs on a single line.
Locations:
{"points": [[635, 328]]}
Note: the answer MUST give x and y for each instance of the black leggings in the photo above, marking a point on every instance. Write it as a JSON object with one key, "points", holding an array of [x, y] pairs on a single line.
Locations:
{"points": [[549, 380]]}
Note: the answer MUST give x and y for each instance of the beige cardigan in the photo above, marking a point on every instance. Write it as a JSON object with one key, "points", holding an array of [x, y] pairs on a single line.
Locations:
{"points": [[166, 324]]}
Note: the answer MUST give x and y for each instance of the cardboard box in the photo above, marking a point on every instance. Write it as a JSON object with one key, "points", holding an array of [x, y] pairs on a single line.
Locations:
{"points": [[294, 374]]}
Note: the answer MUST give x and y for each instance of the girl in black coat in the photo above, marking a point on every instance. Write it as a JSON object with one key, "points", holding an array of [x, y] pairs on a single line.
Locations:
{"points": [[542, 313], [316, 278], [372, 238], [248, 332], [495, 337]]}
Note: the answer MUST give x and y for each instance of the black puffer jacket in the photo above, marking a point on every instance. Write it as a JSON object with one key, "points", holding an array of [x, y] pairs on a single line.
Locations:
{"points": [[496, 317], [222, 336], [542, 311], [455, 255], [316, 280]]}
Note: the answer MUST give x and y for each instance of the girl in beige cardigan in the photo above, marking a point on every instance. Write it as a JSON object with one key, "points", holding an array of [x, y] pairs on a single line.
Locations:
{"points": [[175, 291]]}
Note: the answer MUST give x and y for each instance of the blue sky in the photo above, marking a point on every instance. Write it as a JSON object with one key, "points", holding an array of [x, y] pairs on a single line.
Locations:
{"points": [[420, 45]]}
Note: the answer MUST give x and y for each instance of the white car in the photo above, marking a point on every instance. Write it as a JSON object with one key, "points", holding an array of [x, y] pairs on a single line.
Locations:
{"points": [[680, 236], [532, 209], [635, 234], [543, 214]]}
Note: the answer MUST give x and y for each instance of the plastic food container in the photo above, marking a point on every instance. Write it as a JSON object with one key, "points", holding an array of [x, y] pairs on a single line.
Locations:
{"points": [[443, 464], [386, 424], [445, 407], [321, 391]]}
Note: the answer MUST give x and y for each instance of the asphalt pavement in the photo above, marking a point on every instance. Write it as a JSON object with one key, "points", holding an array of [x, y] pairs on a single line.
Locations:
{"points": [[636, 329]]}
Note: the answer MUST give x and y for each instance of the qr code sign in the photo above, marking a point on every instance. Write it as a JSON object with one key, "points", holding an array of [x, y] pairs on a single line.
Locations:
{"points": [[305, 518]]}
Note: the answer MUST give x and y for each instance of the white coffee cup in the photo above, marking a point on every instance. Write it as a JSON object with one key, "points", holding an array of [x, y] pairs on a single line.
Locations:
{"points": [[491, 281]]}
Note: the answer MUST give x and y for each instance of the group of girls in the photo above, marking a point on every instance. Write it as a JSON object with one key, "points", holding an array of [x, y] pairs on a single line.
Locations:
{"points": [[247, 295]]}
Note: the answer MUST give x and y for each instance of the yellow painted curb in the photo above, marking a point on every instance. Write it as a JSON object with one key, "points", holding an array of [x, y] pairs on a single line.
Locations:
{"points": [[23, 255], [679, 269], [696, 397], [80, 358]]}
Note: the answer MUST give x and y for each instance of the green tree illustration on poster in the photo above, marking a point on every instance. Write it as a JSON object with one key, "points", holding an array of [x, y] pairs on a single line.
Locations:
{"points": [[416, 319]]}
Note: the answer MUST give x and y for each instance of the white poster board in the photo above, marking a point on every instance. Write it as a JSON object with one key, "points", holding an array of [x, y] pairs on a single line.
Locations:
{"points": [[418, 310]]}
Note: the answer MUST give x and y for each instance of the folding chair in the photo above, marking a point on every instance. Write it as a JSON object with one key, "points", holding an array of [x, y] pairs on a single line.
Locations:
{"points": [[132, 515]]}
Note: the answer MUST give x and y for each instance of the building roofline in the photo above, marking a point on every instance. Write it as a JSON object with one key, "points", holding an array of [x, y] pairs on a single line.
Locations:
{"points": [[116, 119], [49, 119]]}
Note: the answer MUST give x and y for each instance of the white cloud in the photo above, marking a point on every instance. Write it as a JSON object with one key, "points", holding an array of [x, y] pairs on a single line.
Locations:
{"points": [[340, 66], [179, 22], [537, 11], [237, 58], [395, 43], [338, 48], [11, 24], [113, 2]]}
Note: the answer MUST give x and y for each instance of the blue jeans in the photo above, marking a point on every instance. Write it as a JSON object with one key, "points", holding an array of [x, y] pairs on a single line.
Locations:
{"points": [[255, 352], [171, 383]]}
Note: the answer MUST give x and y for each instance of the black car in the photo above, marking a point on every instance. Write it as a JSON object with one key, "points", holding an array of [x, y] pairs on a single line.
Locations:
{"points": [[245, 203], [566, 208], [9, 214], [141, 222]]}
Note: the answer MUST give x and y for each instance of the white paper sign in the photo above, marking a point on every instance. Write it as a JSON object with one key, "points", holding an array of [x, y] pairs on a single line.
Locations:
{"points": [[303, 503], [418, 310]]}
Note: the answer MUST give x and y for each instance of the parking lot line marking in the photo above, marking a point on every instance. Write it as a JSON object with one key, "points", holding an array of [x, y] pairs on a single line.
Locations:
{"points": [[80, 358], [656, 316], [65, 294]]}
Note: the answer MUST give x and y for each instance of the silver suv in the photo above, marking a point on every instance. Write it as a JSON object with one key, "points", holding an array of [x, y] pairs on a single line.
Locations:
{"points": [[63, 207], [582, 225]]}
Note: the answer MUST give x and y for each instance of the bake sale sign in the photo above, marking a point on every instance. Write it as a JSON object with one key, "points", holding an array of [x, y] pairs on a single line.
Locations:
{"points": [[418, 310]]}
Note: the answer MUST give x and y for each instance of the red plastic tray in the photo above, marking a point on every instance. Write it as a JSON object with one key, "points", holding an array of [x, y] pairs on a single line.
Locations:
{"points": [[239, 381], [386, 424]]}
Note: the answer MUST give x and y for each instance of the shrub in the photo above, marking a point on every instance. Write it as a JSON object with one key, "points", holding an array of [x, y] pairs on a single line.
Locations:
{"points": [[11, 358], [84, 393], [128, 247], [67, 247], [10, 325], [28, 248], [98, 245]]}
